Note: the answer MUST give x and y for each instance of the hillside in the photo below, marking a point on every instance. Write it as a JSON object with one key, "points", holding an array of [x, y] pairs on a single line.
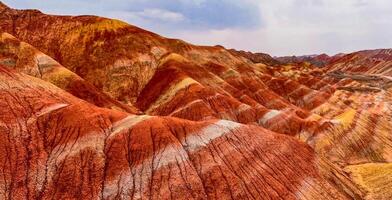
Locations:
{"points": [[95, 108]]}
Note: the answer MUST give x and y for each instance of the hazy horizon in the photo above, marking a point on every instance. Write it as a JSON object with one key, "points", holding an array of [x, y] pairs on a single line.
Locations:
{"points": [[279, 28]]}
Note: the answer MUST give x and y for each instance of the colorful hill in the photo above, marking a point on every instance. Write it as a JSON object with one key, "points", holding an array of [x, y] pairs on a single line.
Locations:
{"points": [[95, 108]]}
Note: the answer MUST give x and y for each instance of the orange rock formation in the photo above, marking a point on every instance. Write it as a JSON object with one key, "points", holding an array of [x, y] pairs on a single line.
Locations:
{"points": [[95, 108]]}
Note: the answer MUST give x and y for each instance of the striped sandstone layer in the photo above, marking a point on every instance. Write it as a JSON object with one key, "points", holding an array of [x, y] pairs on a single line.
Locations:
{"points": [[216, 123]]}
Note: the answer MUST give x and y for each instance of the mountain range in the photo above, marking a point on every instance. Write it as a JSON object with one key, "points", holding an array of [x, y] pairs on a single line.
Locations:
{"points": [[95, 108]]}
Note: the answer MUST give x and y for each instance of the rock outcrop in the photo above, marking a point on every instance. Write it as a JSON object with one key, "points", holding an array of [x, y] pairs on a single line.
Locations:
{"points": [[95, 108], [25, 58], [57, 146]]}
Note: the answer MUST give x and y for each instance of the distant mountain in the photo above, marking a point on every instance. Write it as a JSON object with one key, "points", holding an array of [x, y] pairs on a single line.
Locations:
{"points": [[256, 57], [317, 60]]}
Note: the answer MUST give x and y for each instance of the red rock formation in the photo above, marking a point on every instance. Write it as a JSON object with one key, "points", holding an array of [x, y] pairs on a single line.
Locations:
{"points": [[121, 60], [256, 57], [57, 146], [321, 60], [68, 130], [368, 61], [25, 58]]}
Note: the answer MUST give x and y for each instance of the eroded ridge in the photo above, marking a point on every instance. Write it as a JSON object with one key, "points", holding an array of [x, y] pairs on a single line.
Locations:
{"points": [[57, 146], [95, 108]]}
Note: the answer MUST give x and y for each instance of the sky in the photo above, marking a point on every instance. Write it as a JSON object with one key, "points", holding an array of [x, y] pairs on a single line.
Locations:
{"points": [[276, 27]]}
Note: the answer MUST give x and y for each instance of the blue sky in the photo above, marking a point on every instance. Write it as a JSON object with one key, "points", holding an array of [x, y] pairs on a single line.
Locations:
{"points": [[277, 27]]}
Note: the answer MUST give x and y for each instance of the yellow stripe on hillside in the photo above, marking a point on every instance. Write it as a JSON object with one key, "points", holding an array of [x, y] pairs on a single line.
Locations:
{"points": [[346, 118], [167, 95], [374, 178]]}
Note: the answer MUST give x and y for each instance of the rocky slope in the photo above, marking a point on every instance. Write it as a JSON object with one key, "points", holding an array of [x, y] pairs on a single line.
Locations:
{"points": [[317, 60], [94, 108], [25, 58], [256, 57], [57, 146]]}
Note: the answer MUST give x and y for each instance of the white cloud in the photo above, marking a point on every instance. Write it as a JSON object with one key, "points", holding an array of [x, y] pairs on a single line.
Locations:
{"points": [[297, 27], [193, 2], [303, 27], [160, 15]]}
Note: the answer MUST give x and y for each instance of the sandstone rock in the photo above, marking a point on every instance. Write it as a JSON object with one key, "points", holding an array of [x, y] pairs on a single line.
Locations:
{"points": [[57, 146], [213, 123]]}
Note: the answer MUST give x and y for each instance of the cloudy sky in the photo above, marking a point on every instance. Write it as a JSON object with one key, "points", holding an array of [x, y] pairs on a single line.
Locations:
{"points": [[277, 27]]}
